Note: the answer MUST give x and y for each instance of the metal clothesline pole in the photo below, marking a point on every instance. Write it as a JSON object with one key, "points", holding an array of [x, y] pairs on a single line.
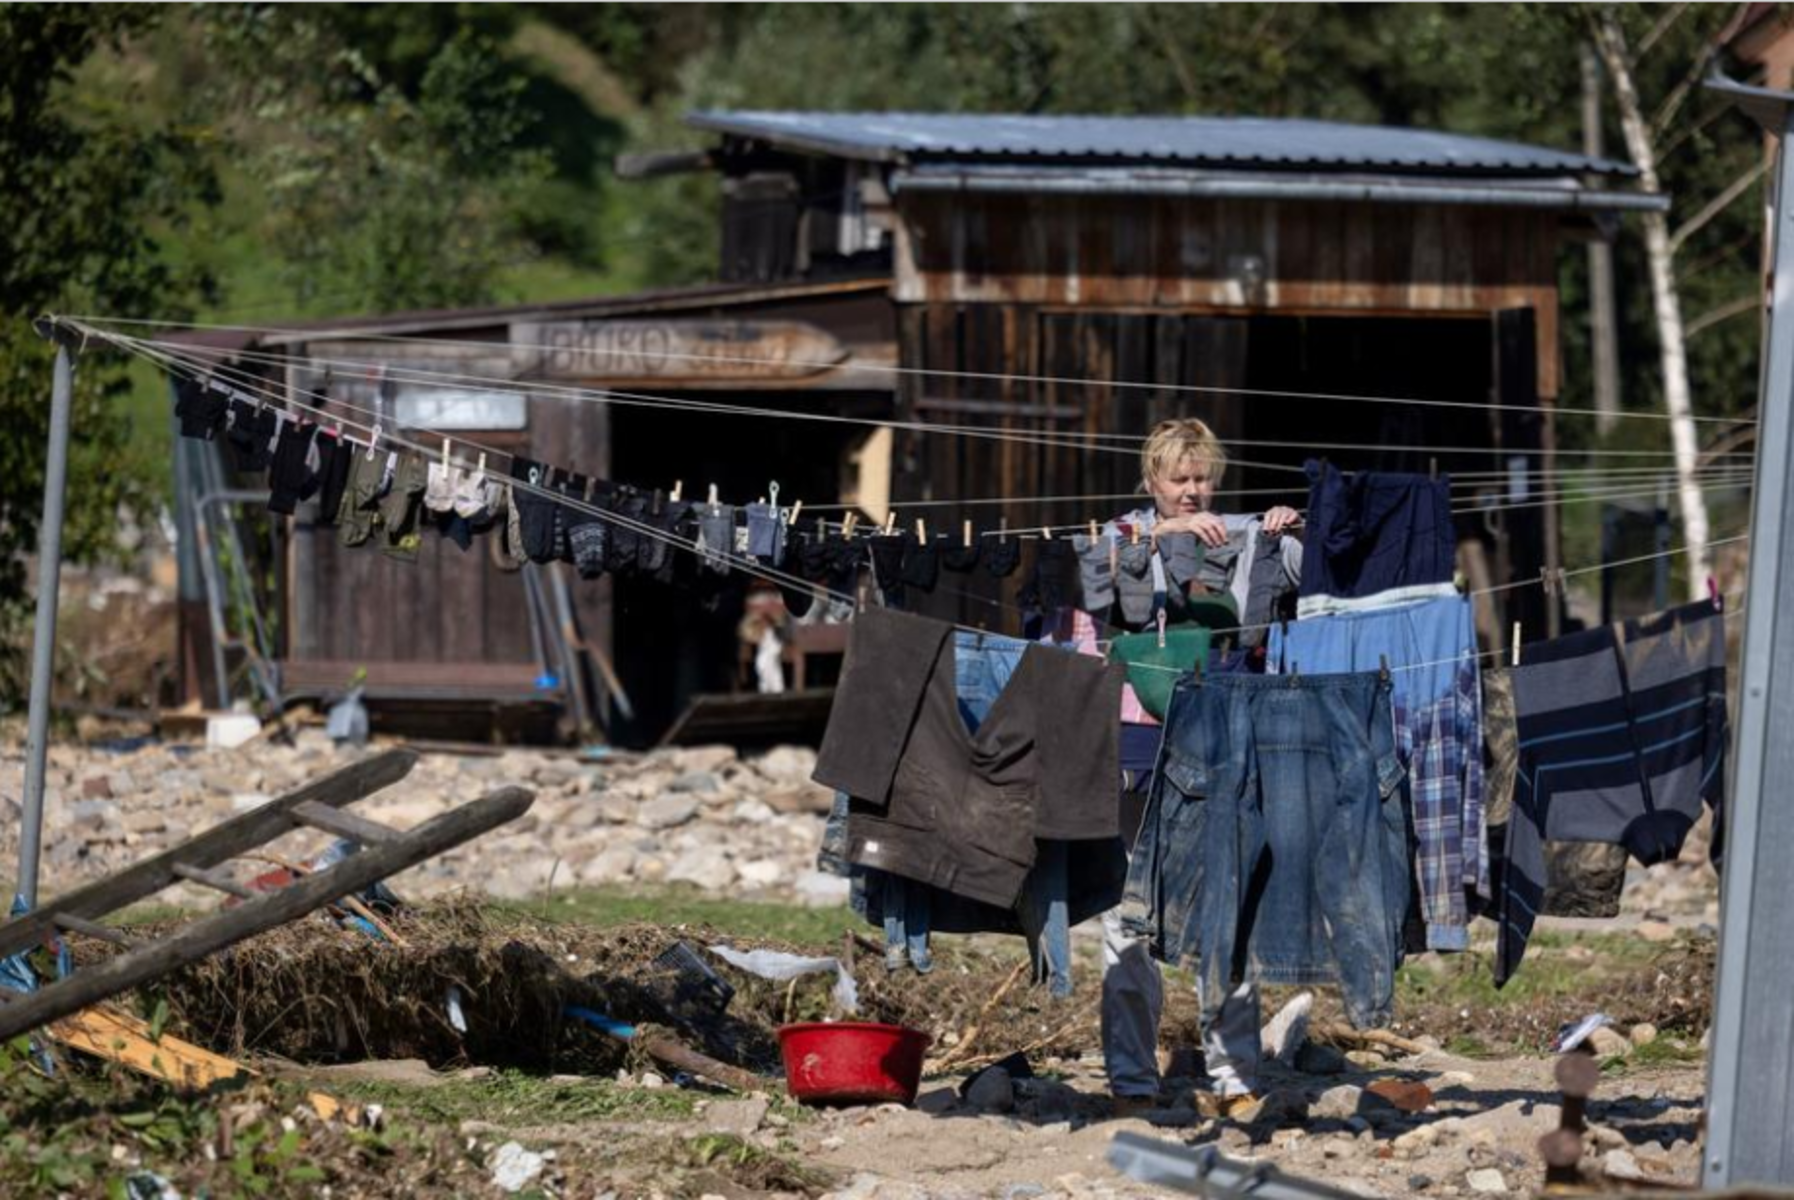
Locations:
{"points": [[1750, 1103], [49, 581]]}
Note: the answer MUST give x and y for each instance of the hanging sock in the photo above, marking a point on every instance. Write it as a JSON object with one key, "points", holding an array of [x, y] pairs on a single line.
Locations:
{"points": [[288, 474], [716, 537], [1002, 557], [921, 567], [400, 510], [334, 455], [887, 551], [1096, 574], [960, 557], [200, 410]]}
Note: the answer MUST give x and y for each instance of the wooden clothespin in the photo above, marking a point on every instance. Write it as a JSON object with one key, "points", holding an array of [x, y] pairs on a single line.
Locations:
{"points": [[921, 531], [1133, 536], [712, 501], [373, 440], [1515, 660], [847, 525], [791, 513], [1046, 533], [890, 522], [482, 467], [965, 533], [1094, 534], [1002, 529], [678, 491]]}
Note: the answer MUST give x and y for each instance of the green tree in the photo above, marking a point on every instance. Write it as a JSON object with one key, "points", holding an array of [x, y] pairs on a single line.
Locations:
{"points": [[86, 198]]}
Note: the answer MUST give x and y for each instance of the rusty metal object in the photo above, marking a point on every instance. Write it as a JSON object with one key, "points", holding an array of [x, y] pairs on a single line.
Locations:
{"points": [[1577, 1074]]}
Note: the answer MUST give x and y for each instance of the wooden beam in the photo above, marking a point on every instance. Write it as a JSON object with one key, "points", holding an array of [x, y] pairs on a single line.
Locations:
{"points": [[344, 824], [215, 880]]}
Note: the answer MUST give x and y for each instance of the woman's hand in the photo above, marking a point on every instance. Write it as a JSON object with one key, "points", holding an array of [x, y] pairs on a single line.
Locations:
{"points": [[1209, 529], [1281, 519]]}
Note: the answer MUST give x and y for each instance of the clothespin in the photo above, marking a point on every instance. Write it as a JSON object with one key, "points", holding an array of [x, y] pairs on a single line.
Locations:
{"points": [[1161, 629], [1516, 650], [890, 522], [1093, 531], [373, 440], [1002, 529], [847, 525], [791, 513], [482, 467], [1432, 467], [1134, 534], [821, 528], [678, 491], [1548, 580], [921, 531], [772, 496], [965, 533], [1713, 594], [712, 501], [1383, 667], [1046, 533], [445, 453]]}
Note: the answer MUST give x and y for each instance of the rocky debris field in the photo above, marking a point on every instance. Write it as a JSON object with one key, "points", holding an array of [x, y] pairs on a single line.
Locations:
{"points": [[701, 816]]}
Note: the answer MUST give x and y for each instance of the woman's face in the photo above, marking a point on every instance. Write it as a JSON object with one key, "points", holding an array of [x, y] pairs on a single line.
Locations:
{"points": [[1185, 489]]}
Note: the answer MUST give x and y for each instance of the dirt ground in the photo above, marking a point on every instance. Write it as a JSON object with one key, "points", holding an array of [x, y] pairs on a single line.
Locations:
{"points": [[585, 1115]]}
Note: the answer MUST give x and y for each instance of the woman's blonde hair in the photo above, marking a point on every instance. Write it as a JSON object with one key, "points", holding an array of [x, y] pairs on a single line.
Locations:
{"points": [[1170, 442]]}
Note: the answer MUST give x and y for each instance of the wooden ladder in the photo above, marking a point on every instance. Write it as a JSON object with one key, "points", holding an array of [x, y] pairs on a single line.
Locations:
{"points": [[385, 851]]}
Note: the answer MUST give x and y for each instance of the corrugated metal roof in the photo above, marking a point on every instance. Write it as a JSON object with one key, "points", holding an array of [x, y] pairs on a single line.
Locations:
{"points": [[1257, 142]]}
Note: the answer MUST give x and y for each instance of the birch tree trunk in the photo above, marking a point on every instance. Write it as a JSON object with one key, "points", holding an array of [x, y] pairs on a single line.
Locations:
{"points": [[1610, 40]]}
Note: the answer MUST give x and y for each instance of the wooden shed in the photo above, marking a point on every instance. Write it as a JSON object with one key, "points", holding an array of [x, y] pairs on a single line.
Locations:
{"points": [[1261, 274], [1382, 297]]}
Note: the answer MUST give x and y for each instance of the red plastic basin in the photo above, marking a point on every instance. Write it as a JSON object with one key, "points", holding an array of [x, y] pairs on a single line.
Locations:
{"points": [[852, 1062]]}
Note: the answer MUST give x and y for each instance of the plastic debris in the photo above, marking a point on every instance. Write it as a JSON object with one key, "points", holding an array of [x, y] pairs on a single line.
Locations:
{"points": [[513, 1166], [1576, 1032], [456, 1016], [776, 964]]}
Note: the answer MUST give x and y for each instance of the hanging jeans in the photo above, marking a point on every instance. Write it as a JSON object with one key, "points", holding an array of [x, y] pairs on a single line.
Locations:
{"points": [[1430, 649], [1274, 847]]}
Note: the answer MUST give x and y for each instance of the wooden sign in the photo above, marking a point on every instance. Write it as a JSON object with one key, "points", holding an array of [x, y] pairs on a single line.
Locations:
{"points": [[686, 351]]}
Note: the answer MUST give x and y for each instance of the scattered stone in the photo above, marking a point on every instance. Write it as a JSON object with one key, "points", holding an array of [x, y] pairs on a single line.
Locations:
{"points": [[96, 787], [702, 782], [1420, 1183], [652, 1081], [1652, 930], [614, 809], [1643, 1033], [1368, 1059], [1608, 1042], [1417, 1141], [667, 812], [737, 1117], [1487, 1181], [1336, 1103], [707, 866]]}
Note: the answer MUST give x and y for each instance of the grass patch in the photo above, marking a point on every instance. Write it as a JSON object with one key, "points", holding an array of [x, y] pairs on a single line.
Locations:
{"points": [[1557, 964], [513, 1098], [603, 907], [747, 1165], [1465, 1046]]}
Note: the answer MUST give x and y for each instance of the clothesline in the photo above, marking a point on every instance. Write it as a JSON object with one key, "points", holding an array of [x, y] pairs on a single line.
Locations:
{"points": [[1047, 438], [895, 369], [754, 567], [1544, 498]]}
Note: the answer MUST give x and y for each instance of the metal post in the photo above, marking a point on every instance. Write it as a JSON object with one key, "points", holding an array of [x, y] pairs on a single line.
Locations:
{"points": [[1750, 1096], [49, 586]]}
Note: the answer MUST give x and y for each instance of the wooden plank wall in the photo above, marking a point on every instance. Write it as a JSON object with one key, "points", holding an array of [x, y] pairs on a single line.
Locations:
{"points": [[1119, 253]]}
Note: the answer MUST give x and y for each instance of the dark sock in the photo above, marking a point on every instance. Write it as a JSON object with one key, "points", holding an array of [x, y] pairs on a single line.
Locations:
{"points": [[287, 474], [1002, 557]]}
